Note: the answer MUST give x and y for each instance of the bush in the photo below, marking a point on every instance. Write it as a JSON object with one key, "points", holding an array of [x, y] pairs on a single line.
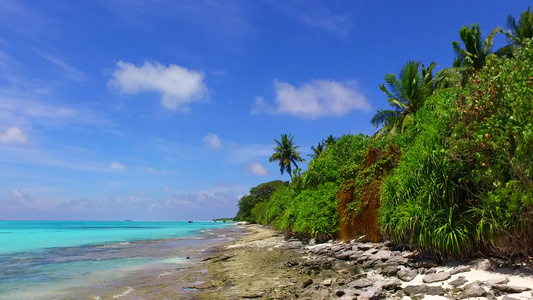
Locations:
{"points": [[421, 200], [464, 184], [315, 211], [337, 162], [259, 213], [258, 194], [492, 144], [279, 211]]}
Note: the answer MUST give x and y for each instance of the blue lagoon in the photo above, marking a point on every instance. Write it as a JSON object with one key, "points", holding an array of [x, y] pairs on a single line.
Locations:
{"points": [[85, 259]]}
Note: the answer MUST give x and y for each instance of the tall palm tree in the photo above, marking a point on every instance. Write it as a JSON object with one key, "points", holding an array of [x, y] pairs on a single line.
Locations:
{"points": [[476, 49], [285, 152], [406, 94]]}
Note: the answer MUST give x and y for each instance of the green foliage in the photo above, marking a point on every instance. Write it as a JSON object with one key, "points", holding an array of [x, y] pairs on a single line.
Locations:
{"points": [[420, 199], [464, 184], [476, 50], [280, 212], [493, 145], [259, 212], [308, 205], [405, 94], [461, 179], [522, 30], [315, 211], [316, 151], [286, 153], [338, 162], [258, 194]]}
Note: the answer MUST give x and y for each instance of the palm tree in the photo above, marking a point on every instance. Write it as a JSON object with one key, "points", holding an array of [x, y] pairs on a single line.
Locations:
{"points": [[518, 32], [330, 140], [455, 76], [476, 49], [316, 151], [521, 30], [406, 94], [285, 152]]}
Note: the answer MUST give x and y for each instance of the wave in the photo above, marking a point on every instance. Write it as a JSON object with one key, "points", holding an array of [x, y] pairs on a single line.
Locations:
{"points": [[124, 294]]}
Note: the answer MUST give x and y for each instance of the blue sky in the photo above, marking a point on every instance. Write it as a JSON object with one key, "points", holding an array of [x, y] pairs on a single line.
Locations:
{"points": [[166, 110]]}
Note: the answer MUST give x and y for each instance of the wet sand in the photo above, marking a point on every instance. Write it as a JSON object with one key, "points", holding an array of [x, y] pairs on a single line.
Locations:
{"points": [[172, 279]]}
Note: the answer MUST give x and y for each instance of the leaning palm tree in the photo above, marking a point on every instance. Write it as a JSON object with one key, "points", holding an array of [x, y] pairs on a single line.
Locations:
{"points": [[406, 94], [285, 152], [476, 50]]}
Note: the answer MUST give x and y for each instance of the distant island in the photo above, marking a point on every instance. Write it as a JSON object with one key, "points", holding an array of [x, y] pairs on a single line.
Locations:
{"points": [[224, 220]]}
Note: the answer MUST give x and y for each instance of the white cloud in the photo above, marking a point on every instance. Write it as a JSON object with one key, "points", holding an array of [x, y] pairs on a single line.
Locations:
{"points": [[315, 99], [13, 135], [116, 166], [247, 153], [178, 86], [257, 169], [25, 112], [212, 141]]}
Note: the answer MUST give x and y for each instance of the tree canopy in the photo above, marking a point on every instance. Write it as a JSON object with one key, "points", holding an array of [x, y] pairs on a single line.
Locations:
{"points": [[286, 153]]}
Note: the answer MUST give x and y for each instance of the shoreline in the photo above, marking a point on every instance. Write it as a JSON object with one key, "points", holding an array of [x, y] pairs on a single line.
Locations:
{"points": [[145, 269], [176, 280], [256, 262], [264, 265]]}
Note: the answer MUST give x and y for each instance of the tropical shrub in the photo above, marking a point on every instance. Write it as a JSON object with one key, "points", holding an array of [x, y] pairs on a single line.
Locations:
{"points": [[492, 144], [465, 183], [258, 194], [421, 196], [315, 211], [259, 213], [337, 162], [279, 210]]}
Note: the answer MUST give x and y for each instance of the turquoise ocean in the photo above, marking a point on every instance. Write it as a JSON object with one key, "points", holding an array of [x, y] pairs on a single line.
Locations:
{"points": [[55, 259]]}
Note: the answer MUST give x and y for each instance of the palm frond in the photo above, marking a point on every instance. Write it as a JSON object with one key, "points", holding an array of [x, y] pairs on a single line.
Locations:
{"points": [[487, 45], [385, 116]]}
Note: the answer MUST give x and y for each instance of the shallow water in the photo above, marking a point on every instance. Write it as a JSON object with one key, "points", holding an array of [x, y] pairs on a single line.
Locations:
{"points": [[54, 260]]}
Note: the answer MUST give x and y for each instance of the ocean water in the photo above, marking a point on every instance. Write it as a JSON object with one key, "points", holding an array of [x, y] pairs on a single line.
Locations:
{"points": [[62, 259]]}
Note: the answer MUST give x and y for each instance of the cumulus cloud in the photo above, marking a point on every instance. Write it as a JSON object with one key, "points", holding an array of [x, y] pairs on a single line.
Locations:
{"points": [[116, 166], [178, 86], [212, 141], [315, 99], [13, 135], [257, 169]]}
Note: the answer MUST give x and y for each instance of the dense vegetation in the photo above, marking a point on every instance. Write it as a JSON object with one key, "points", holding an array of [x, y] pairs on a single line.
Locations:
{"points": [[450, 171]]}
